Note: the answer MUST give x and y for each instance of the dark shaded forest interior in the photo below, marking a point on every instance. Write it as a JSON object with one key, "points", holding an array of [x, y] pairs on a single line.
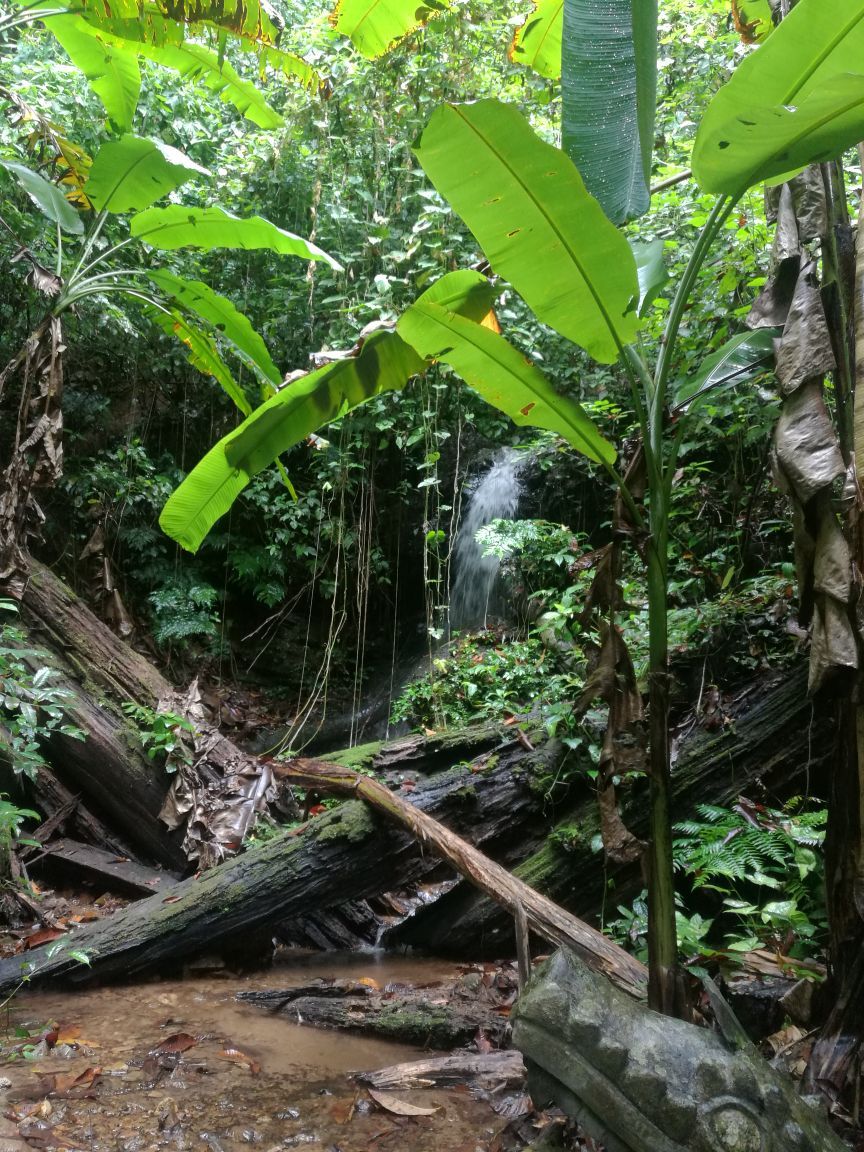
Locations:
{"points": [[430, 575]]}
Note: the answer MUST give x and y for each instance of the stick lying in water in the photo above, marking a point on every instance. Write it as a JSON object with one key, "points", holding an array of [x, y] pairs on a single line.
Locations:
{"points": [[546, 918]]}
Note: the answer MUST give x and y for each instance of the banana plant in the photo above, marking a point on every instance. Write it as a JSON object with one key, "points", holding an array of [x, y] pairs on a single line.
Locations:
{"points": [[126, 178], [797, 99], [107, 41]]}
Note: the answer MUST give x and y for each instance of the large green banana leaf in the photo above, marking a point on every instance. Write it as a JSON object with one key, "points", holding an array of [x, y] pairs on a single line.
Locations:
{"points": [[797, 99], [498, 372], [537, 42], [202, 65], [46, 196], [203, 353], [119, 34], [385, 362], [180, 227], [197, 297], [529, 210], [376, 25], [609, 94], [131, 173], [112, 73]]}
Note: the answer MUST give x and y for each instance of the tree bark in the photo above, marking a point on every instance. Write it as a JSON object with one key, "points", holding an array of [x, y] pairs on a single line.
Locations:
{"points": [[773, 742], [344, 855], [545, 918]]}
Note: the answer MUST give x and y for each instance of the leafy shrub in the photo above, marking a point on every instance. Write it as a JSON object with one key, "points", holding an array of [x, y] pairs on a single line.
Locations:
{"points": [[759, 874], [31, 704]]}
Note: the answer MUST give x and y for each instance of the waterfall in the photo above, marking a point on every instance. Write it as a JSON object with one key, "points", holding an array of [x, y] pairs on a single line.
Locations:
{"points": [[496, 496]]}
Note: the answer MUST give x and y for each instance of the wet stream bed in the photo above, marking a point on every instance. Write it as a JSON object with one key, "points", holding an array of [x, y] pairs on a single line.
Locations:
{"points": [[183, 1065]]}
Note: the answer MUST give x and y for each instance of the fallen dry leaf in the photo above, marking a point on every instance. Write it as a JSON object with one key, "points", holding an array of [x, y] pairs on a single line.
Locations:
{"points": [[178, 1042], [397, 1107], [44, 936], [63, 1083], [238, 1057]]}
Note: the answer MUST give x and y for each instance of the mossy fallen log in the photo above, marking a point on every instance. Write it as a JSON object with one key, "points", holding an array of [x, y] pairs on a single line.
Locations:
{"points": [[772, 744], [346, 854], [433, 1017]]}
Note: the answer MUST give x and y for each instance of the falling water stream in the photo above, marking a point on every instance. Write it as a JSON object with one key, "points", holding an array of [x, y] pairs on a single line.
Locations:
{"points": [[475, 597]]}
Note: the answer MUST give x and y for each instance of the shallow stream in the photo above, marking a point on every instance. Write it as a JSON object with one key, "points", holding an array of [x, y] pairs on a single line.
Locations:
{"points": [[182, 1065]]}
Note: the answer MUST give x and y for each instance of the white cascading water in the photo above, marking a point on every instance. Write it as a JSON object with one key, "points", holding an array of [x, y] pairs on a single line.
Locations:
{"points": [[474, 599]]}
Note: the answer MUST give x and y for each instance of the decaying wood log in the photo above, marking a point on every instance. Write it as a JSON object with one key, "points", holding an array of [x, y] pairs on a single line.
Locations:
{"points": [[116, 782], [342, 855], [429, 1017], [772, 744], [544, 917], [482, 1069]]}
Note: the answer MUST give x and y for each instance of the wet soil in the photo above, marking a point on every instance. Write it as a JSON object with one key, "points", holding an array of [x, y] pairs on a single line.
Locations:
{"points": [[182, 1065]]}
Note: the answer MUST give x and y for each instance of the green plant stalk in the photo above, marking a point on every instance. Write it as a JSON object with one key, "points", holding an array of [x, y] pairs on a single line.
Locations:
{"points": [[665, 990], [662, 937]]}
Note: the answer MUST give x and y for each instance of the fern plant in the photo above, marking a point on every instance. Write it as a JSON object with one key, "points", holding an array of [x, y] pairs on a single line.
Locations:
{"points": [[749, 852], [756, 881]]}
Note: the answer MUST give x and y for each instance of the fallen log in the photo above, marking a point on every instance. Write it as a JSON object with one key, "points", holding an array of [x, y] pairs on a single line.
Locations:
{"points": [[346, 854], [117, 783], [772, 744], [430, 1017], [482, 1069], [542, 915]]}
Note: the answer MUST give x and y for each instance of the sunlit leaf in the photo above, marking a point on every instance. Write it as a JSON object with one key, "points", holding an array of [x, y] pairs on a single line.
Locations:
{"points": [[131, 173], [529, 210], [383, 363], [498, 372], [112, 72], [180, 227], [375, 26], [197, 297], [796, 100], [46, 196], [537, 42]]}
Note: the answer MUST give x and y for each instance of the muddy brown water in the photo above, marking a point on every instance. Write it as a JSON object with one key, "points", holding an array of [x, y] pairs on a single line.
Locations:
{"points": [[245, 1078]]}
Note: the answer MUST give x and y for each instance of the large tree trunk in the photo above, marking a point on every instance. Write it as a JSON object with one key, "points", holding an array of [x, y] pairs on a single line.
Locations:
{"points": [[773, 743], [347, 854]]}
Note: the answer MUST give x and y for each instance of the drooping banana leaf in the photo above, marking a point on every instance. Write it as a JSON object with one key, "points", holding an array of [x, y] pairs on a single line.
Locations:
{"points": [[609, 94], [383, 362], [131, 173], [530, 212], [46, 196], [180, 227], [498, 372], [739, 360], [197, 297], [249, 20], [375, 26], [196, 63], [797, 99], [203, 353], [537, 42], [112, 72]]}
